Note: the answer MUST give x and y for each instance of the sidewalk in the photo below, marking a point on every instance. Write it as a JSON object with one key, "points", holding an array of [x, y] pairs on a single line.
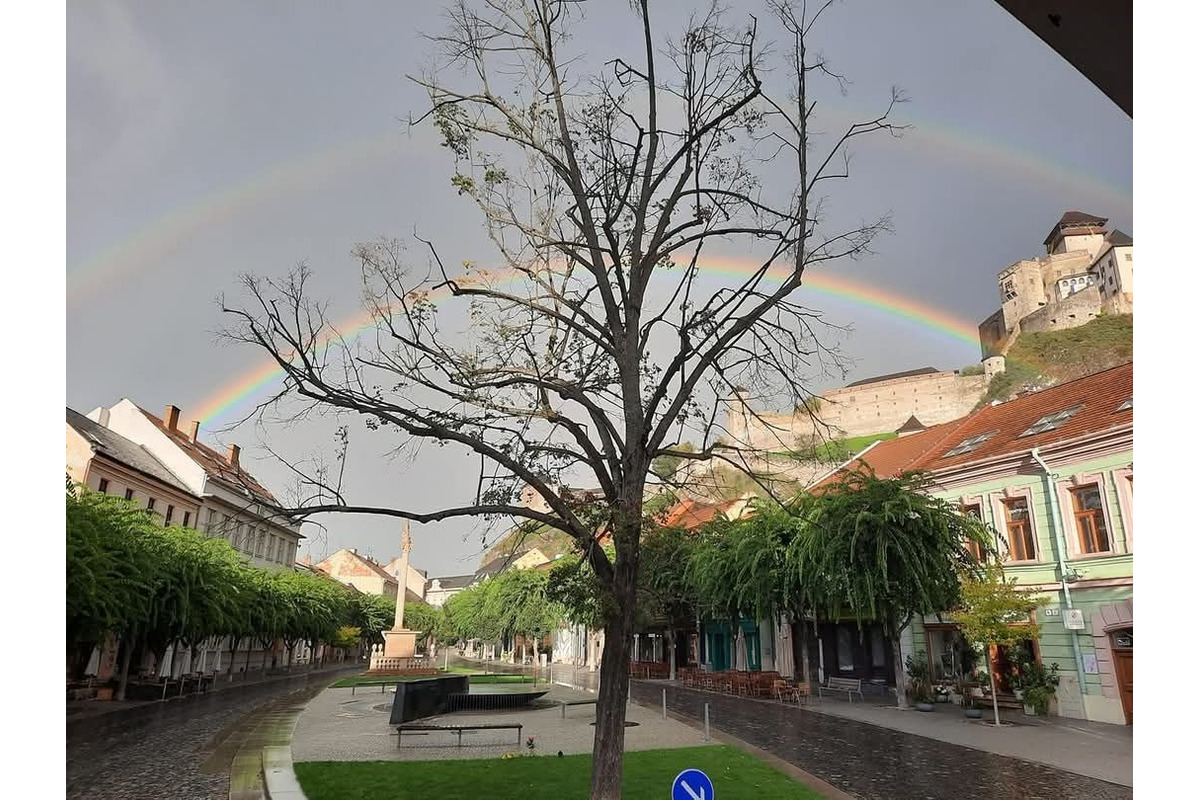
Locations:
{"points": [[874, 760], [1086, 748], [78, 710]]}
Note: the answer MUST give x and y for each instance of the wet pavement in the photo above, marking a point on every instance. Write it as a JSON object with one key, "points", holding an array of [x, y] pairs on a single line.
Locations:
{"points": [[179, 749], [871, 762]]}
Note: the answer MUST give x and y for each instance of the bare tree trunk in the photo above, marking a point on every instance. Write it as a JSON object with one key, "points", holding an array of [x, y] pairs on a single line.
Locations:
{"points": [[128, 645], [898, 668], [805, 669], [995, 700], [608, 749], [233, 646]]}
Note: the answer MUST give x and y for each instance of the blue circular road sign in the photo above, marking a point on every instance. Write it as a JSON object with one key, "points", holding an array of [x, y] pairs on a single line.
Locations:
{"points": [[692, 784]]}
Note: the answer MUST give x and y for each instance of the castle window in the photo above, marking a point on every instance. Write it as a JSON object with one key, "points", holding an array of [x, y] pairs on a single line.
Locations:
{"points": [[103, 486], [1129, 256]]}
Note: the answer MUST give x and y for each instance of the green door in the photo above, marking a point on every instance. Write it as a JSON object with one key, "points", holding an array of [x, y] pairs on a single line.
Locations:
{"points": [[718, 646], [753, 651]]}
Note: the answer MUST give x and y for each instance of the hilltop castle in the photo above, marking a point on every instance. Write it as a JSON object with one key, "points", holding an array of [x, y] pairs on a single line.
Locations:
{"points": [[1086, 270]]}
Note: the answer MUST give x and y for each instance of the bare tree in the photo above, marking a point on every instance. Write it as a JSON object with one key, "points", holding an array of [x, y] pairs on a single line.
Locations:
{"points": [[594, 347]]}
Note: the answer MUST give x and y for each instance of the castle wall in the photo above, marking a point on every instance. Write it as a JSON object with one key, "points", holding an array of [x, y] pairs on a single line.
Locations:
{"points": [[993, 335], [1078, 309], [860, 410]]}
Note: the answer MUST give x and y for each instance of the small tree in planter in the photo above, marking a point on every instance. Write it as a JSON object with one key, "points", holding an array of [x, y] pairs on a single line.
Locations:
{"points": [[996, 612]]}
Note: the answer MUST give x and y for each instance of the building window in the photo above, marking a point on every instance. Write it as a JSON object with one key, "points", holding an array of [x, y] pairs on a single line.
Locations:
{"points": [[104, 486], [974, 547], [1110, 280], [1021, 545], [845, 649], [1089, 519], [1129, 256], [150, 504], [129, 494], [187, 518], [170, 513]]}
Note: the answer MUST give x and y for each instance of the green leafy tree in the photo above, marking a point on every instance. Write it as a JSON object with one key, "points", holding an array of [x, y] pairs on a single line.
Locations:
{"points": [[996, 611], [883, 549]]}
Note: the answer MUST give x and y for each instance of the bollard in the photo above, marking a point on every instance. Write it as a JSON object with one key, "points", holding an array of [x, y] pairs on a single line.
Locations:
{"points": [[353, 687], [664, 703], [706, 722]]}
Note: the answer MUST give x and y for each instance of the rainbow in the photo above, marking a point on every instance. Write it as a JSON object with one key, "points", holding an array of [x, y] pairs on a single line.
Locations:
{"points": [[151, 245], [247, 385]]}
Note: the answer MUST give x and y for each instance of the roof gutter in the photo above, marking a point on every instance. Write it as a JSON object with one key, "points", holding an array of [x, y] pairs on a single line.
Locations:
{"points": [[1060, 546]]}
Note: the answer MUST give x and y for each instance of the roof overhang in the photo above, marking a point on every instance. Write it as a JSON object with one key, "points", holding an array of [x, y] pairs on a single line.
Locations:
{"points": [[1094, 36]]}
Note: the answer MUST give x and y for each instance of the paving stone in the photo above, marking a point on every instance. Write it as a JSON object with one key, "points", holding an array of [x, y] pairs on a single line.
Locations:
{"points": [[878, 763]]}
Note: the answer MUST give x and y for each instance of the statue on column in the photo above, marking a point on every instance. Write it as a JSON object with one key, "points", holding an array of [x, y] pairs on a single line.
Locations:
{"points": [[400, 642]]}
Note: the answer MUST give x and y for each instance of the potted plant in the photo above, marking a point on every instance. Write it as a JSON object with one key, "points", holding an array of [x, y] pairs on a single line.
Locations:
{"points": [[1039, 685], [919, 686]]}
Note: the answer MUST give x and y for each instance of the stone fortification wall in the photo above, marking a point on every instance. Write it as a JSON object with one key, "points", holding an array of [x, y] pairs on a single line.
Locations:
{"points": [[860, 410], [1078, 309]]}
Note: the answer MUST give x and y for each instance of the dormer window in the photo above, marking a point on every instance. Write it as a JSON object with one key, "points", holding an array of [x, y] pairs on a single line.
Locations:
{"points": [[969, 444], [1051, 421], [1126, 406]]}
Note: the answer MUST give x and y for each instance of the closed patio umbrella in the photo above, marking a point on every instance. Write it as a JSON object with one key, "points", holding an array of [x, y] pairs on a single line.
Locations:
{"points": [[785, 663]]}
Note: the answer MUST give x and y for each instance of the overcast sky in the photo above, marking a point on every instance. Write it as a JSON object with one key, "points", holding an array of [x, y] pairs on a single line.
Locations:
{"points": [[206, 140]]}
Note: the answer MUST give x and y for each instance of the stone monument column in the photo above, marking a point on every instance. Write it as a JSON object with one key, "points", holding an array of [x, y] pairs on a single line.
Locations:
{"points": [[400, 642]]}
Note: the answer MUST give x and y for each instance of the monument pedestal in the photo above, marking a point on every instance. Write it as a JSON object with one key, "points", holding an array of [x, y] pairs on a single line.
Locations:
{"points": [[399, 644]]}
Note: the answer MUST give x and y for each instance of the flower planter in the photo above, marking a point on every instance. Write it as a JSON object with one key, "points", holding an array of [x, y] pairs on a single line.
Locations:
{"points": [[943, 698], [925, 707], [956, 699], [974, 713], [104, 693], [1019, 694], [1029, 711]]}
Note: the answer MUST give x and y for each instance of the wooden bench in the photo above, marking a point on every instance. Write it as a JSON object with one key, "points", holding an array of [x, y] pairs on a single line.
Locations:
{"points": [[851, 686], [424, 729], [564, 703]]}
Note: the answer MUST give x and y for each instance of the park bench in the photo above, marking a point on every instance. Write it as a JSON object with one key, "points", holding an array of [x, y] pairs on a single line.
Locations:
{"points": [[851, 686], [564, 703], [426, 729]]}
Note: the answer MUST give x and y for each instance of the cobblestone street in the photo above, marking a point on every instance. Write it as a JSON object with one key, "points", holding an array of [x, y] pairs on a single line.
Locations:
{"points": [[878, 763], [181, 749]]}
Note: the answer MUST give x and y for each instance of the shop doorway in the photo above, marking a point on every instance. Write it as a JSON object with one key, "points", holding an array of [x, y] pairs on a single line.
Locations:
{"points": [[1122, 650]]}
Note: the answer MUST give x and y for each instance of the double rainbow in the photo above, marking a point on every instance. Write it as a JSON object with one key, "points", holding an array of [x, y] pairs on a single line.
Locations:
{"points": [[250, 383]]}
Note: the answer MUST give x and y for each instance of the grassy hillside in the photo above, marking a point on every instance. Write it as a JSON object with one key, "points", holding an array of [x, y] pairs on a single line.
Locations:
{"points": [[1038, 360]]}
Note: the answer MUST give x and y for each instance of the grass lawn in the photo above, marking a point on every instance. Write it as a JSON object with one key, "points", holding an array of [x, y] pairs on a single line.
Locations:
{"points": [[648, 774], [376, 680]]}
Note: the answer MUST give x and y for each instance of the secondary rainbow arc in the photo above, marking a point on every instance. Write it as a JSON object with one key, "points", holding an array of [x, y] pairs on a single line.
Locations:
{"points": [[247, 385]]}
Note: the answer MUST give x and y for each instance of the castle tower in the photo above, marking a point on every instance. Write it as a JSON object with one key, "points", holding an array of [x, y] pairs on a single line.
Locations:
{"points": [[1076, 231]]}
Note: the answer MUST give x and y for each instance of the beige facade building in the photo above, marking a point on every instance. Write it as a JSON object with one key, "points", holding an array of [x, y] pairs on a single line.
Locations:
{"points": [[1087, 270], [107, 462], [232, 503], [348, 567]]}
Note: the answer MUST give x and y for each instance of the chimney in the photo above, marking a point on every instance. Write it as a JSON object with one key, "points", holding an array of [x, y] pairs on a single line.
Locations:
{"points": [[234, 452], [195, 434], [171, 417]]}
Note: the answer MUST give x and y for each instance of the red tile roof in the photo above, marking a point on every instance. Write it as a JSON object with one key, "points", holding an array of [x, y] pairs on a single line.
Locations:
{"points": [[213, 462], [1097, 396], [690, 513]]}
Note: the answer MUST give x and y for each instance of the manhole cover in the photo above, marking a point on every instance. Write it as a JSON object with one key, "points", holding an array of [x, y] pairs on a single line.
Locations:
{"points": [[628, 724]]}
